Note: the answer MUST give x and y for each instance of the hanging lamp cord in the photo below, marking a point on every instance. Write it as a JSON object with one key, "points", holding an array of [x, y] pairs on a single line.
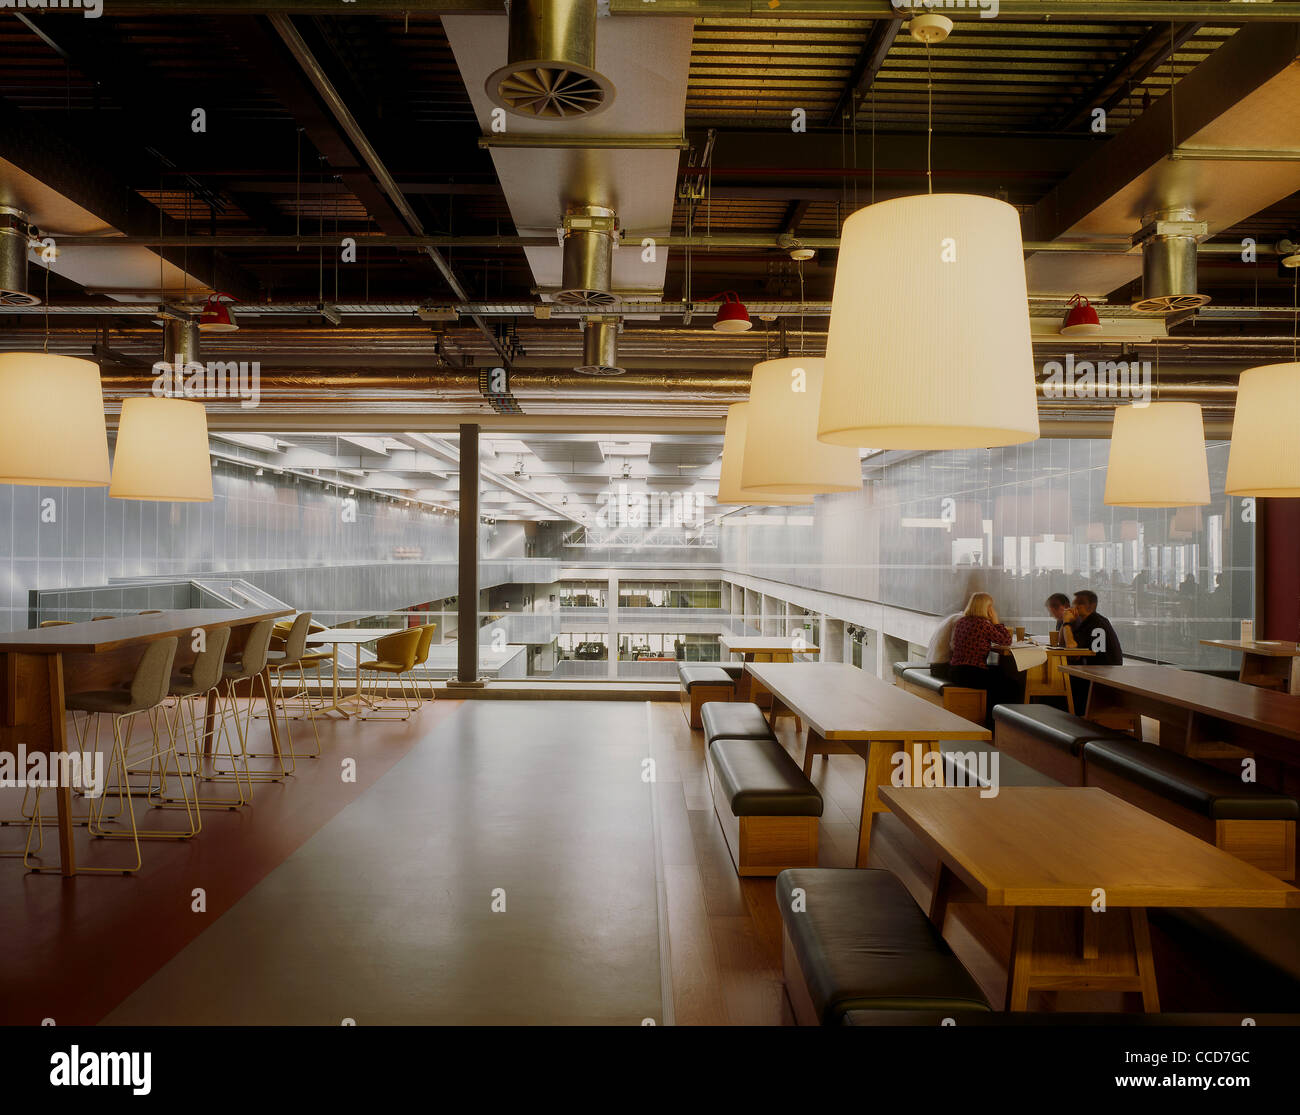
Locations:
{"points": [[929, 120]]}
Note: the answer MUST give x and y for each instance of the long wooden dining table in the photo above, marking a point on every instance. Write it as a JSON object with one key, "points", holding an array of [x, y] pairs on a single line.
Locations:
{"points": [[850, 712], [42, 665], [1198, 710]]}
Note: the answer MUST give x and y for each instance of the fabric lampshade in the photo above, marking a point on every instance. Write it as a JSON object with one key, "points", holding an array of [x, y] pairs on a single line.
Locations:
{"points": [[52, 421], [162, 451], [1157, 457], [733, 454], [1264, 457]]}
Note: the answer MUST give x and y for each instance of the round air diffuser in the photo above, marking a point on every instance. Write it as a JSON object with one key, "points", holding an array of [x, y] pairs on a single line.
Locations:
{"points": [[13, 259], [551, 73]]}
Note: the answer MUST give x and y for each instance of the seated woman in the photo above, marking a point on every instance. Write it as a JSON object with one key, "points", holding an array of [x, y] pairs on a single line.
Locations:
{"points": [[973, 636]]}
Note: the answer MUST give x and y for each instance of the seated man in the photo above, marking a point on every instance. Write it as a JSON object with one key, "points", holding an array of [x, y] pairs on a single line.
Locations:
{"points": [[939, 653], [1092, 631], [1058, 607]]}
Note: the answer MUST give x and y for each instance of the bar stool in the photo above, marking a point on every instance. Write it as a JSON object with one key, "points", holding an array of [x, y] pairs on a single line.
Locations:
{"points": [[146, 694], [202, 679], [250, 666], [295, 646], [394, 658]]}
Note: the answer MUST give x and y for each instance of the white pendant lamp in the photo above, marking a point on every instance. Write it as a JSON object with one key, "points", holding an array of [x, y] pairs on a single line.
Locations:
{"points": [[782, 453], [733, 453], [1157, 457], [929, 344], [51, 421], [1264, 457], [162, 451]]}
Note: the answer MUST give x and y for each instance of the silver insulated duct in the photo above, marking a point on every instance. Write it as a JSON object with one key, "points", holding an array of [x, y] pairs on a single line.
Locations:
{"points": [[180, 342], [600, 347], [13, 259], [587, 276], [551, 73], [1169, 263]]}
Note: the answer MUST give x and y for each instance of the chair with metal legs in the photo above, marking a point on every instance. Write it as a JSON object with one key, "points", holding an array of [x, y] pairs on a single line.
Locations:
{"points": [[203, 679], [250, 666], [146, 694], [422, 656], [290, 658], [394, 658]]}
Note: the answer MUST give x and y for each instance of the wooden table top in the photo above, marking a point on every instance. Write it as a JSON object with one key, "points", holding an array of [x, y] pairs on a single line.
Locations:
{"points": [[94, 637], [841, 702], [1054, 845], [743, 644], [1234, 701], [1007, 648], [1272, 648], [354, 634]]}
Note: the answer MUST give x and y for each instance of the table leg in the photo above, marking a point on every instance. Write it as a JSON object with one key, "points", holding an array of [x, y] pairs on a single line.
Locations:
{"points": [[943, 880], [879, 754], [1146, 968], [1022, 958]]}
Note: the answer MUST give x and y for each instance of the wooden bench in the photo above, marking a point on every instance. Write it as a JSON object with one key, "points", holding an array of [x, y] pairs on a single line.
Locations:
{"points": [[855, 939], [700, 684], [767, 808], [1248, 821], [970, 704], [1047, 738]]}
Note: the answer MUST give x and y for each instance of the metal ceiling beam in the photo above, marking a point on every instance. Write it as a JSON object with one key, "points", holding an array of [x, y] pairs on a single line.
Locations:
{"points": [[878, 43], [1091, 11]]}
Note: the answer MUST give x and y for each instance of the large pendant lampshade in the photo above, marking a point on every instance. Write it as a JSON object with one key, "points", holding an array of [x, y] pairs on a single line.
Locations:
{"points": [[929, 344], [733, 453], [782, 453], [162, 451], [1157, 457], [51, 421], [1264, 457]]}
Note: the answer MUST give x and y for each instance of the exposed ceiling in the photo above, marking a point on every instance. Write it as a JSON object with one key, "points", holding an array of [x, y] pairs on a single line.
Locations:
{"points": [[321, 125]]}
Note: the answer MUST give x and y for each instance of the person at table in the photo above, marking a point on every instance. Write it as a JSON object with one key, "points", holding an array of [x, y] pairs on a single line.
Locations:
{"points": [[1058, 607], [1093, 632], [973, 638], [939, 654]]}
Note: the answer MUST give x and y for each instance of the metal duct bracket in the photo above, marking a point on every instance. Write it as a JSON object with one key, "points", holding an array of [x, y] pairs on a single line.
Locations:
{"points": [[1168, 243], [600, 346], [590, 236], [552, 56], [15, 237]]}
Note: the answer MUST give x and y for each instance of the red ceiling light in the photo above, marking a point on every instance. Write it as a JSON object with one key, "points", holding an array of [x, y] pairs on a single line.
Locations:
{"points": [[215, 317], [732, 315], [1080, 318]]}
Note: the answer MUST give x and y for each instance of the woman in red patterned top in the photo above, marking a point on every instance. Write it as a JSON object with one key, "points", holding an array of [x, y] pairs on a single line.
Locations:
{"points": [[973, 637]]}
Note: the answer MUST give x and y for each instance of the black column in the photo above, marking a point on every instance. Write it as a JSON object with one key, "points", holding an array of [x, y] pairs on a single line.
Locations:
{"points": [[467, 590]]}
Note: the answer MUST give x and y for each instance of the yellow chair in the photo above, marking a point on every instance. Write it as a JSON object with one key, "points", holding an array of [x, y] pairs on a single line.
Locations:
{"points": [[395, 658], [422, 656]]}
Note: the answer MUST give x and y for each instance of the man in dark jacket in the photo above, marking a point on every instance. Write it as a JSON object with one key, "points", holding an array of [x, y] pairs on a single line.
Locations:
{"points": [[1093, 632]]}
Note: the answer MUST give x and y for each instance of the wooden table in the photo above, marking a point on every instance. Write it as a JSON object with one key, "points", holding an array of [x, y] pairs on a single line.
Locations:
{"points": [[849, 712], [353, 636], [1048, 680], [762, 648], [40, 666], [1269, 664], [1198, 711], [1080, 867]]}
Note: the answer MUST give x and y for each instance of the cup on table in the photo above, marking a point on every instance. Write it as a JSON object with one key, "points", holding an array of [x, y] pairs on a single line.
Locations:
{"points": [[1054, 638], [1020, 634]]}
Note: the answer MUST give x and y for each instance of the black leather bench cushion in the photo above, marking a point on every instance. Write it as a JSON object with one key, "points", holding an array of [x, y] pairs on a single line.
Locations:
{"points": [[1188, 783], [759, 779], [1056, 1018], [863, 943], [924, 679], [704, 675], [733, 720], [734, 669], [1054, 725]]}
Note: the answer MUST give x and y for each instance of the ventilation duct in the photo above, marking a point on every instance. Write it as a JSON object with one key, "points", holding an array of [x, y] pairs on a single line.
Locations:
{"points": [[600, 347], [587, 276], [14, 235], [551, 72], [180, 343], [1169, 263]]}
